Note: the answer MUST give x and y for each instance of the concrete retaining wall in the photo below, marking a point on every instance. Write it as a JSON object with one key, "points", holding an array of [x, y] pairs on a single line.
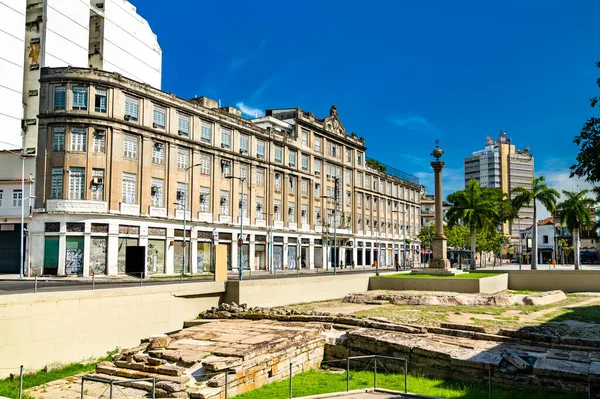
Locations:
{"points": [[286, 291], [487, 285], [38, 329], [547, 280]]}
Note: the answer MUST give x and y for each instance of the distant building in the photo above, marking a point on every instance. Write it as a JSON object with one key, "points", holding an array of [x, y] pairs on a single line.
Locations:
{"points": [[101, 34], [500, 165]]}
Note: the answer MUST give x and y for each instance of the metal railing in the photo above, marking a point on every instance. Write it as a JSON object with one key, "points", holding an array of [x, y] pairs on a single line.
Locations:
{"points": [[112, 384]]}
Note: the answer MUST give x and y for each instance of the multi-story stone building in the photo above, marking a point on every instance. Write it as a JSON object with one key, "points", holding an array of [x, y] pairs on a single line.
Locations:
{"points": [[123, 176]]}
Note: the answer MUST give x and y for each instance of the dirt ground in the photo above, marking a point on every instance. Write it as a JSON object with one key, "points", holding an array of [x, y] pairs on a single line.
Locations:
{"points": [[578, 315]]}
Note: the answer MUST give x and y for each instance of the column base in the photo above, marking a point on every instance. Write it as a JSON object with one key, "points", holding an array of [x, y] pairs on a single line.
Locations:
{"points": [[439, 264]]}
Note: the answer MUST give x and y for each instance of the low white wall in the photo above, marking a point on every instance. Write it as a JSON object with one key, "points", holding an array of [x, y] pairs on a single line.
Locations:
{"points": [[547, 280], [286, 291], [488, 285], [38, 329]]}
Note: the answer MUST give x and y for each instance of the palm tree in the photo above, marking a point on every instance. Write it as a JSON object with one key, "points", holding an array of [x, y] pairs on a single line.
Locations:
{"points": [[476, 208], [539, 192], [574, 211]]}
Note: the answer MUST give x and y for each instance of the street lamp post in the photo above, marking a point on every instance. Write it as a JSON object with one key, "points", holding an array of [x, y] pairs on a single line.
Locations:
{"points": [[520, 244], [184, 205], [334, 198], [241, 240], [22, 156], [270, 241]]}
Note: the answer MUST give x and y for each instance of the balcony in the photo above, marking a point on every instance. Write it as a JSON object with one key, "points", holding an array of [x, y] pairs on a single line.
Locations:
{"points": [[157, 212], [206, 217], [224, 219], [260, 223], [129, 209], [246, 221], [77, 206], [305, 227], [179, 214], [293, 226], [278, 224], [318, 229]]}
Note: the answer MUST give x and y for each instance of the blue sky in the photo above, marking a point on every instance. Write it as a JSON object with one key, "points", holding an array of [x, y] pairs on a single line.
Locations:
{"points": [[402, 73]]}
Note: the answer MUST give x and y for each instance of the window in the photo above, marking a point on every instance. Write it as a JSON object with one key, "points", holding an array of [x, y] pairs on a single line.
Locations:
{"points": [[56, 185], [78, 139], [158, 153], [80, 98], [132, 105], [318, 143], [278, 154], [333, 149], [318, 190], [58, 139], [359, 158], [183, 158], [375, 184], [183, 125], [304, 162], [348, 155], [205, 163], [159, 117], [225, 138], [278, 181], [545, 239], [129, 188], [156, 193], [181, 195], [348, 197], [260, 177], [367, 202], [98, 184], [99, 141], [292, 185], [60, 95], [348, 177], [204, 199], [304, 187], [260, 208], [304, 214], [318, 167], [243, 205], [1, 194], [292, 212], [100, 100], [17, 198], [225, 168], [304, 137], [317, 215], [206, 132], [244, 173], [359, 179], [130, 146], [244, 143], [77, 183], [277, 209], [292, 159], [358, 199], [260, 149], [224, 203]]}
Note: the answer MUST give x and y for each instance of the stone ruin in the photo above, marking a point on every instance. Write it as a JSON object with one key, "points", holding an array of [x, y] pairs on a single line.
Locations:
{"points": [[257, 345]]}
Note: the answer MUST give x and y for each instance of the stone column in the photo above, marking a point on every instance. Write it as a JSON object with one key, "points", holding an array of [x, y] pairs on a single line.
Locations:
{"points": [[438, 245]]}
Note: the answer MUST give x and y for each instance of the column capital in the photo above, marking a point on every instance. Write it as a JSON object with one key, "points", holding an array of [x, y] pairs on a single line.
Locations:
{"points": [[437, 165]]}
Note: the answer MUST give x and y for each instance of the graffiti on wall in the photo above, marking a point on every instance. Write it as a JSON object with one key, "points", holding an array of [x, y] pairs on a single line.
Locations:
{"points": [[74, 261]]}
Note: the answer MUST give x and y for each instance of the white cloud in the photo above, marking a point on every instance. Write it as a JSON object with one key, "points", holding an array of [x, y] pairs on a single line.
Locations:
{"points": [[263, 87], [413, 123], [250, 111]]}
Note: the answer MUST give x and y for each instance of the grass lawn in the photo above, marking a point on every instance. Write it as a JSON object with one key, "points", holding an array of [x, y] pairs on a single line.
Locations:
{"points": [[318, 382], [10, 388], [465, 275]]}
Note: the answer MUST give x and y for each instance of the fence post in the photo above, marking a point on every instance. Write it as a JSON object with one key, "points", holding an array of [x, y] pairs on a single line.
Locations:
{"points": [[490, 381], [35, 284], [375, 374], [21, 382], [589, 389], [153, 388], [347, 374], [82, 388], [93, 281], [141, 278], [111, 390], [405, 375], [291, 365], [226, 382]]}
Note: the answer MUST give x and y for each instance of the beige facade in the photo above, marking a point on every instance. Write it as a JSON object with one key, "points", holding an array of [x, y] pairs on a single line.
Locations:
{"points": [[121, 175]]}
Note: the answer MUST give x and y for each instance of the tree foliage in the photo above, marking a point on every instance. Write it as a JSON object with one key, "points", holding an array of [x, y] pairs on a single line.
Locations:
{"points": [[588, 140], [575, 213], [376, 165]]}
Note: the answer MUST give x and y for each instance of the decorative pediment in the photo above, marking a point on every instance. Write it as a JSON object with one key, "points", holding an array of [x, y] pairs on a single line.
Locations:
{"points": [[332, 122]]}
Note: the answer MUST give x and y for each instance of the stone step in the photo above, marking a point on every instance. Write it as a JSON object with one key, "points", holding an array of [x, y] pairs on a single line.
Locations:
{"points": [[112, 370], [161, 368]]}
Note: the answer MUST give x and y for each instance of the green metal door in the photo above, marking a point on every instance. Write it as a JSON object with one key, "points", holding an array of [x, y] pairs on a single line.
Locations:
{"points": [[10, 250]]}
